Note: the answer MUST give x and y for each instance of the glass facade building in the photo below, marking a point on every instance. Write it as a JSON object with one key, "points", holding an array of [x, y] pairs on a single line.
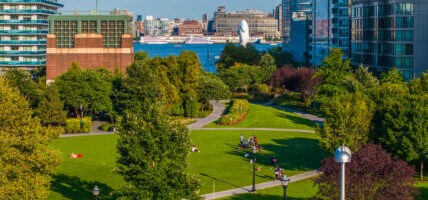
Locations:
{"points": [[303, 7], [391, 33], [330, 29], [23, 30]]}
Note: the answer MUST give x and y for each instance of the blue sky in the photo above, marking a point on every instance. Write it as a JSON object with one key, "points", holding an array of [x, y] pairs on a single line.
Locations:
{"points": [[191, 9]]}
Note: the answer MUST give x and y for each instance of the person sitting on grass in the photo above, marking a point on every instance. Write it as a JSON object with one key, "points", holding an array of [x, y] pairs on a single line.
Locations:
{"points": [[194, 149]]}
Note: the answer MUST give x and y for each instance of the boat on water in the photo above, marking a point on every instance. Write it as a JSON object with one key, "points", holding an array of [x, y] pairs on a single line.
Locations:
{"points": [[198, 40], [153, 40]]}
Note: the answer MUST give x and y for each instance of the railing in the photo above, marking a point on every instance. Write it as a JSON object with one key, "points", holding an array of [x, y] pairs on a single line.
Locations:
{"points": [[21, 63], [28, 11], [23, 32], [55, 3], [24, 22], [22, 52], [20, 42]]}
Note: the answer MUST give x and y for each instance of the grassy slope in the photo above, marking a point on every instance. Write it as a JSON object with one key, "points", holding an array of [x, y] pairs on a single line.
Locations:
{"points": [[267, 117], [219, 161], [301, 190]]}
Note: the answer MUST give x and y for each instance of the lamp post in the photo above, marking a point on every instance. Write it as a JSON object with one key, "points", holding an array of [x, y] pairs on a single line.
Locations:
{"points": [[284, 183], [342, 155], [254, 169], [191, 107], [96, 192]]}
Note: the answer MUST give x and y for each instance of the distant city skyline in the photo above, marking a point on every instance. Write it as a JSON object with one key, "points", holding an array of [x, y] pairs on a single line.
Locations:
{"points": [[187, 9]]}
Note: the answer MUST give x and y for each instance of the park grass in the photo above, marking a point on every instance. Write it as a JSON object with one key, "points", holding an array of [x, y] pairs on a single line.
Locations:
{"points": [[422, 186], [302, 190], [219, 161], [260, 116]]}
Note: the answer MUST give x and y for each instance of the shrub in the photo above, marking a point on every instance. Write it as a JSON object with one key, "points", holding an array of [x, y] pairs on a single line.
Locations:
{"points": [[75, 125], [237, 112], [106, 127]]}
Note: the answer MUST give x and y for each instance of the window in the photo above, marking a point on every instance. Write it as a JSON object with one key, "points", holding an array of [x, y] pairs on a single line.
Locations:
{"points": [[14, 48], [14, 17], [14, 27], [15, 58]]}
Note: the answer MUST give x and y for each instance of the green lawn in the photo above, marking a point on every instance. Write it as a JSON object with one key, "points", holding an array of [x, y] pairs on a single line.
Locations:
{"points": [[267, 117], [301, 190], [219, 161], [423, 189]]}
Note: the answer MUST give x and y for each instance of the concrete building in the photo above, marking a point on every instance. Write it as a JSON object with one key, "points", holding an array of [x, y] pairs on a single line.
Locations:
{"points": [[190, 28], [90, 40], [260, 24], [23, 30], [157, 27], [330, 29], [391, 33], [288, 8]]}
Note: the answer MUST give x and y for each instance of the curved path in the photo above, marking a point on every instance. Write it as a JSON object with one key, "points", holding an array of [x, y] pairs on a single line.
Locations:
{"points": [[218, 110], [260, 186]]}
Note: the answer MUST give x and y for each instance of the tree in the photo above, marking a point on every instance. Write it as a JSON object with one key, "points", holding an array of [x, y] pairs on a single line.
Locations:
{"points": [[307, 84], [212, 88], [268, 66], [153, 153], [26, 158], [348, 120], [50, 109], [232, 54], [87, 88], [372, 174], [190, 68], [27, 87], [241, 76], [282, 58]]}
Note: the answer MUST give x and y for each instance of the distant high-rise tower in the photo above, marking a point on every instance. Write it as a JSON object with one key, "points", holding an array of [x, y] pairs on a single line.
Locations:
{"points": [[288, 8], [23, 30], [391, 33]]}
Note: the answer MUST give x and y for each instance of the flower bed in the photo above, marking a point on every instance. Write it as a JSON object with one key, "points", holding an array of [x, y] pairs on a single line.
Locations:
{"points": [[237, 112]]}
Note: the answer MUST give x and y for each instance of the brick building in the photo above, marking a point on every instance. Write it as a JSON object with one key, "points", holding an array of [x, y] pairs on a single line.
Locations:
{"points": [[91, 41], [190, 27]]}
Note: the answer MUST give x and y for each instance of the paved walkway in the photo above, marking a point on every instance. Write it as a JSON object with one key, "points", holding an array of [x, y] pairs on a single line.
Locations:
{"points": [[94, 131], [218, 110], [259, 186], [255, 129]]}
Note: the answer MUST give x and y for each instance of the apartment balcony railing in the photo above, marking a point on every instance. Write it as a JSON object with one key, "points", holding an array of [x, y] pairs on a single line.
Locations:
{"points": [[23, 32], [22, 52], [18, 11], [21, 63], [20, 42], [24, 22], [54, 3]]}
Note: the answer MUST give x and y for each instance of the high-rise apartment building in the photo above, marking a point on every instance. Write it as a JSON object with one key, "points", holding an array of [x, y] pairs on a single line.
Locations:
{"points": [[23, 30], [157, 26], [288, 8], [330, 29], [391, 33], [277, 14]]}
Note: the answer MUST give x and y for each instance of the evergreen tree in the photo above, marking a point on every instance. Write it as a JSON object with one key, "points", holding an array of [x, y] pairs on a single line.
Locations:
{"points": [[268, 67], [50, 109], [26, 159]]}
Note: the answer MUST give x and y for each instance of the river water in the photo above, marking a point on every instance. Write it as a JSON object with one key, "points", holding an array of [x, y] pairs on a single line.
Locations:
{"points": [[207, 53]]}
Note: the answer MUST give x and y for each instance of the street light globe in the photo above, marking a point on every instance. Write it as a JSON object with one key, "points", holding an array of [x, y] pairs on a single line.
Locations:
{"points": [[285, 181], [342, 154], [96, 191]]}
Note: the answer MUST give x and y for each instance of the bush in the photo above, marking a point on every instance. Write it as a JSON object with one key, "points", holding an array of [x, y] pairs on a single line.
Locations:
{"points": [[237, 112], [75, 125], [106, 127], [242, 95]]}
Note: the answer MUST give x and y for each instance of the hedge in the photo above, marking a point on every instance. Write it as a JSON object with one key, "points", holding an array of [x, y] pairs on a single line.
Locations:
{"points": [[237, 112], [75, 125]]}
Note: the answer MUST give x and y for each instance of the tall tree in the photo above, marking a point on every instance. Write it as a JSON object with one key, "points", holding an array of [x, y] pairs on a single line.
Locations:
{"points": [[26, 85], [348, 122], [26, 159], [51, 109], [87, 88], [268, 67], [212, 88], [372, 174], [233, 53]]}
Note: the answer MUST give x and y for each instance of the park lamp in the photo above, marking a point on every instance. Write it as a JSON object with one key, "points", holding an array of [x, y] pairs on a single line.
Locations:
{"points": [[96, 192], [342, 155], [284, 182]]}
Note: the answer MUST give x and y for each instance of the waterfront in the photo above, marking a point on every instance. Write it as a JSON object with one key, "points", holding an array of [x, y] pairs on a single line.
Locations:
{"points": [[207, 53]]}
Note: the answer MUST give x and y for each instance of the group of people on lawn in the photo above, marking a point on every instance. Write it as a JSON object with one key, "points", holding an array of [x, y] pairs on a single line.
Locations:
{"points": [[253, 143]]}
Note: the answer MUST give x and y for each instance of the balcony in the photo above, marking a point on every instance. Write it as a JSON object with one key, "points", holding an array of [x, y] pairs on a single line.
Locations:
{"points": [[14, 11], [22, 52], [24, 22], [23, 32], [23, 42], [53, 3], [21, 63]]}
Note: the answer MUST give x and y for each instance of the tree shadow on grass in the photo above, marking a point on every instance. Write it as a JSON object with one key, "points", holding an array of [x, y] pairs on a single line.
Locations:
{"points": [[72, 187], [223, 181], [292, 154], [251, 196], [298, 120], [423, 194]]}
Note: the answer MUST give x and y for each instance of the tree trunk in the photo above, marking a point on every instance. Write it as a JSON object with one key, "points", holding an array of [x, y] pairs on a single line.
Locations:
{"points": [[422, 170], [202, 107]]}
